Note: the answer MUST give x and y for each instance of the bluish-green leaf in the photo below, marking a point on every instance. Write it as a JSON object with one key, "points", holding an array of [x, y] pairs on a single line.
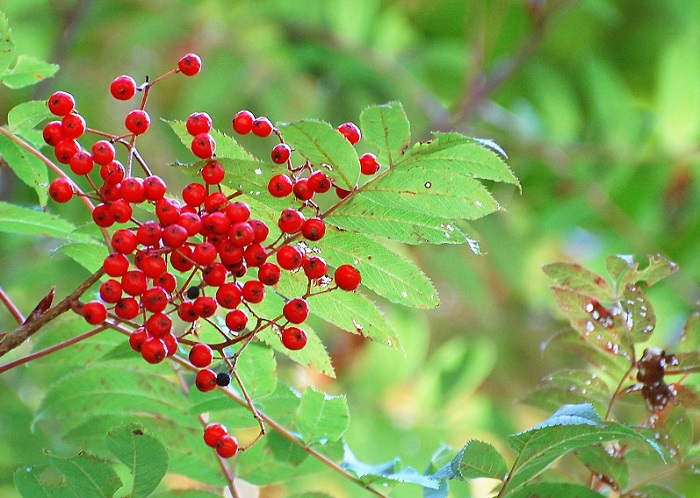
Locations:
{"points": [[387, 472], [27, 71], [386, 127], [145, 456], [87, 475], [27, 167], [321, 416], [320, 143], [7, 45], [384, 271], [27, 115], [475, 459]]}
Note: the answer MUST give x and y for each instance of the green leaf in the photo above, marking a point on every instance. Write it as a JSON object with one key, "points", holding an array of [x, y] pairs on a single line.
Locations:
{"points": [[569, 428], [601, 463], [658, 269], [365, 215], [27, 115], [386, 472], [577, 278], [313, 354], [226, 146], [477, 459], [27, 167], [321, 144], [90, 255], [384, 271], [676, 431], [7, 45], [387, 128], [640, 317], [87, 475], [453, 153], [25, 221], [321, 416], [657, 491], [39, 482], [618, 265], [554, 490], [28, 71], [251, 177], [690, 337], [145, 456], [284, 451], [257, 369], [571, 386]]}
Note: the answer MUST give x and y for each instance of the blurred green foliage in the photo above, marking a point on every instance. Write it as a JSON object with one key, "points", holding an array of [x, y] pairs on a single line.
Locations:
{"points": [[597, 103]]}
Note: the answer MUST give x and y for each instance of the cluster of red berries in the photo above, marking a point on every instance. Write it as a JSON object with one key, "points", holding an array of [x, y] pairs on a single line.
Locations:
{"points": [[204, 238]]}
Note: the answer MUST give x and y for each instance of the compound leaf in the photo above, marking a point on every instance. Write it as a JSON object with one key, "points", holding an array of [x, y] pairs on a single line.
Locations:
{"points": [[386, 127]]}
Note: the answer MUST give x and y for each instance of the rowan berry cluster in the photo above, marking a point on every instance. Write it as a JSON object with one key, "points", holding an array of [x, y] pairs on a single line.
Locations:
{"points": [[202, 252]]}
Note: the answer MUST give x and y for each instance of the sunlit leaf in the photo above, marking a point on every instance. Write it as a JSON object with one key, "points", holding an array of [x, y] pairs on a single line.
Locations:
{"points": [[386, 127], [658, 269], [258, 370], [577, 278], [321, 416], [475, 459], [25, 221], [570, 386], [7, 45], [27, 167], [27, 115], [226, 146], [657, 491], [27, 71], [314, 354]]}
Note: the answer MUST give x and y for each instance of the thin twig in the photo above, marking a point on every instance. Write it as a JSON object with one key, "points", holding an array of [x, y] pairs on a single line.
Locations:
{"points": [[14, 311], [252, 409]]}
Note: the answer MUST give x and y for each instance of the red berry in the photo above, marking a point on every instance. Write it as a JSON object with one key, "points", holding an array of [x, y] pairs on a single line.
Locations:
{"points": [[153, 188], [61, 190], [213, 172], [313, 229], [103, 152], [204, 253], [215, 274], [260, 230], [203, 146], [350, 131], [73, 126], [280, 186], [226, 446], [65, 150], [216, 223], [110, 291], [61, 103], [205, 380], [255, 255], [302, 189], [123, 87], [341, 192], [289, 257], [213, 433], [137, 122], [238, 211], [124, 241], [201, 355], [121, 211], [194, 194], [243, 122], [229, 295], [280, 153], [134, 282], [132, 190], [241, 234], [149, 233], [315, 267], [190, 64], [166, 281], [368, 164], [296, 310], [137, 338], [53, 133], [253, 291], [115, 265], [290, 220], [154, 300], [191, 221], [215, 202], [319, 182], [294, 338], [102, 216], [167, 210], [158, 325], [269, 273], [94, 312], [347, 277], [229, 252], [205, 306], [153, 350], [186, 312], [236, 320], [112, 173], [262, 127], [171, 343], [127, 308], [153, 265], [81, 163], [174, 236], [198, 122]]}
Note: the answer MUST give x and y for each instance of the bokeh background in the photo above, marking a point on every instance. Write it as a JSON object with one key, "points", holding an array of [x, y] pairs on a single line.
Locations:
{"points": [[596, 102]]}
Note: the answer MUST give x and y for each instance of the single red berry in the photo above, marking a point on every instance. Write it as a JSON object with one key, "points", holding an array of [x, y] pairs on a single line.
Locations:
{"points": [[127, 308], [241, 234], [81, 163], [203, 146], [216, 223], [280, 153], [260, 230], [166, 281], [201, 355], [153, 188], [154, 300], [167, 210], [294, 338], [153, 350], [149, 233], [239, 269], [228, 295], [171, 343], [158, 325], [65, 149], [368, 164], [253, 291], [236, 320], [121, 211], [269, 273], [61, 190], [112, 173], [262, 127], [296, 310], [134, 282], [204, 253], [115, 265], [132, 190], [227, 446], [191, 221], [215, 202], [153, 265], [213, 433], [212, 172], [229, 252], [123, 87], [205, 306], [243, 122], [102, 216], [124, 241], [53, 133], [302, 189], [350, 131], [319, 182], [194, 194], [190, 64], [198, 122], [137, 338], [215, 274], [347, 277], [290, 220], [137, 122], [280, 186], [110, 193], [341, 192], [315, 267], [94, 312], [73, 126], [110, 291], [174, 236], [255, 255], [103, 152], [205, 380], [238, 211], [313, 229], [186, 312], [289, 257], [61, 103]]}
